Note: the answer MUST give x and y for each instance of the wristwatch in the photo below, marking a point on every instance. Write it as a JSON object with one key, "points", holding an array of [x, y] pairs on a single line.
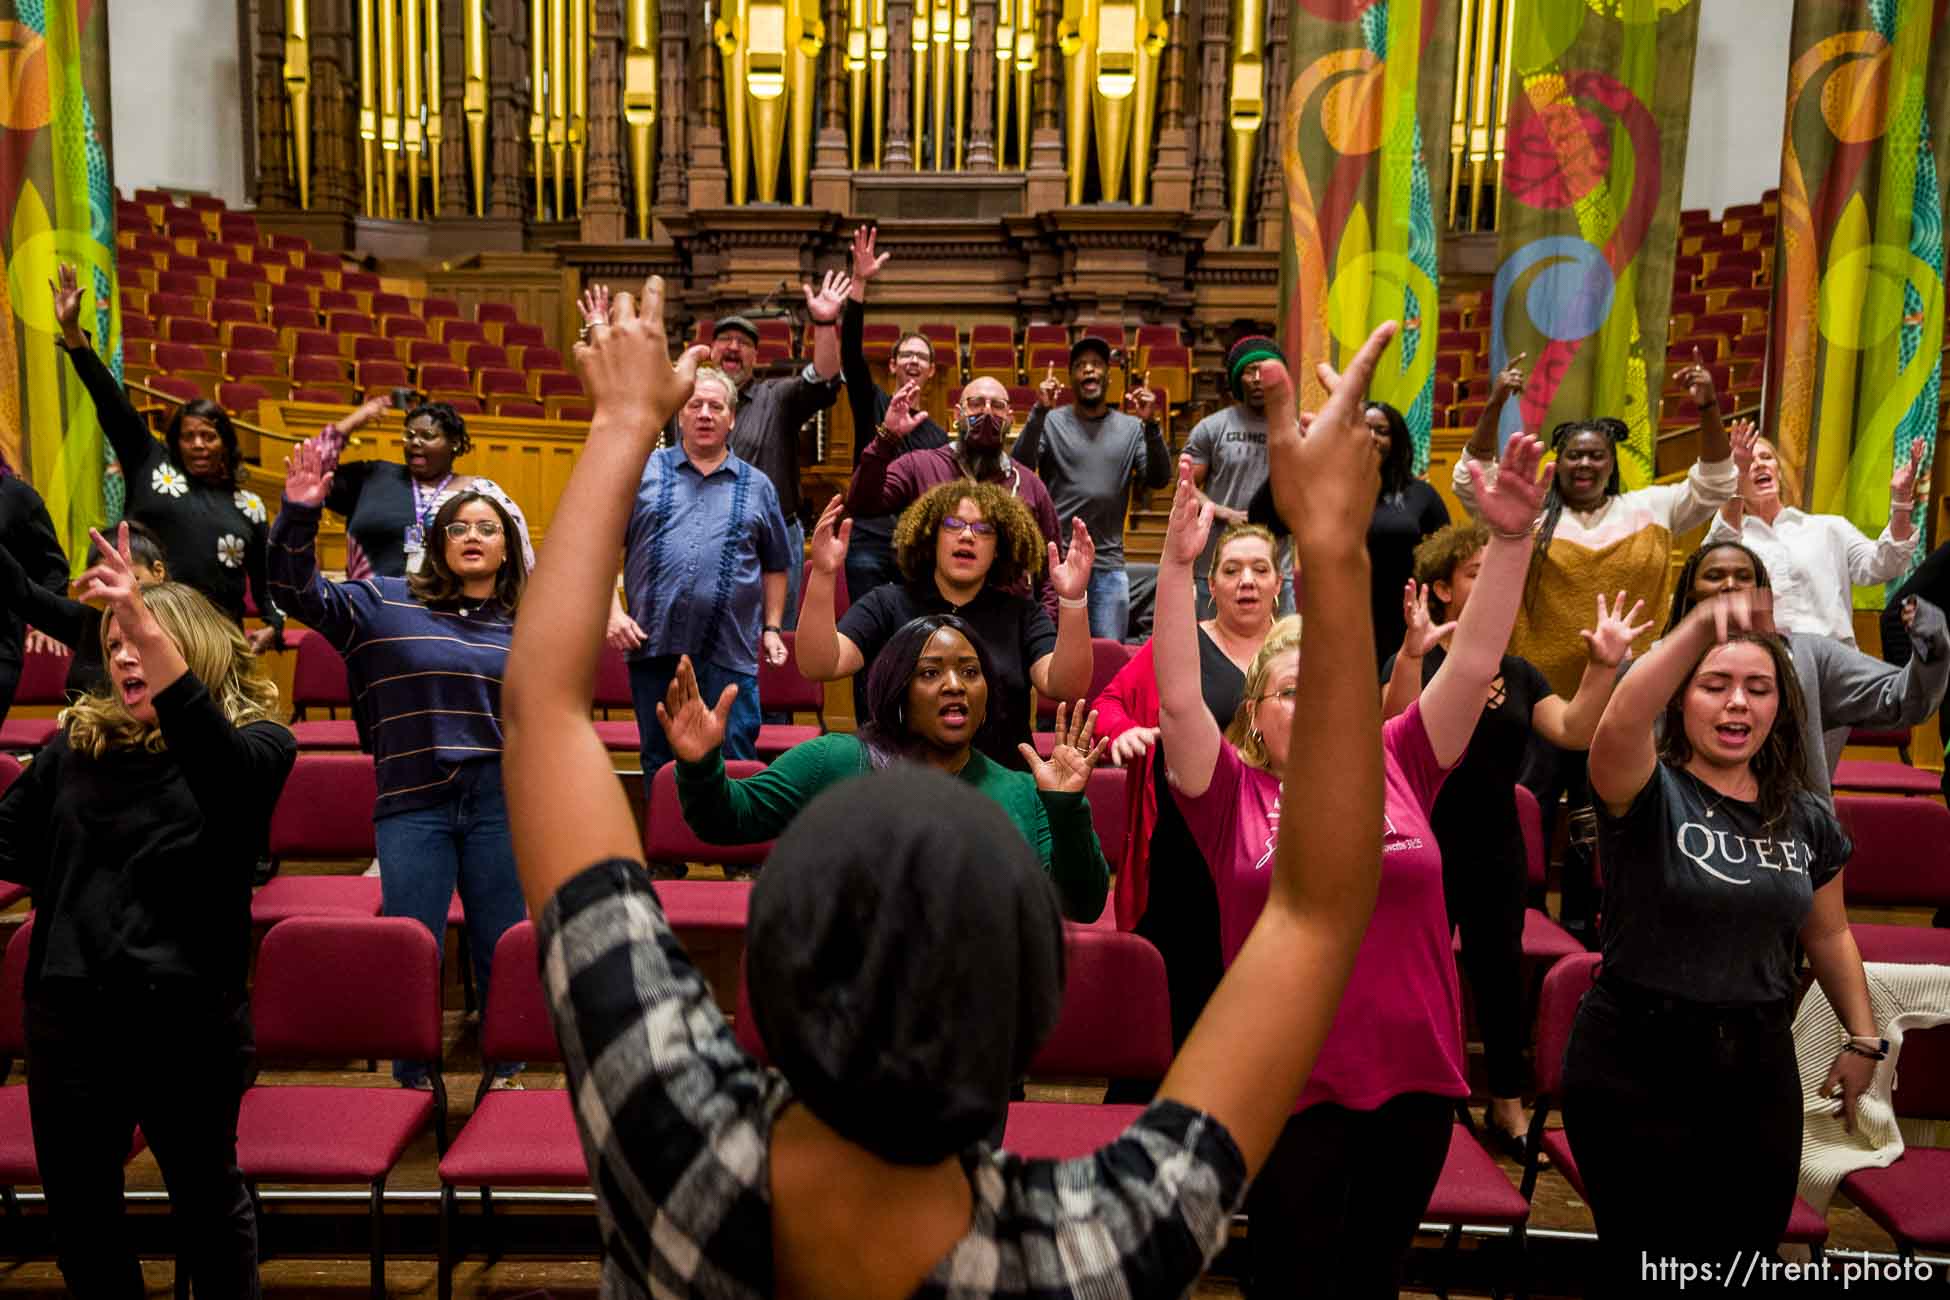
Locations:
{"points": [[771, 627]]}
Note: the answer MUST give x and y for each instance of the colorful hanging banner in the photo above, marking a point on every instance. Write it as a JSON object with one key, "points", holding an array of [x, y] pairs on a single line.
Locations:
{"points": [[56, 205], [1373, 83], [1590, 220], [1858, 300]]}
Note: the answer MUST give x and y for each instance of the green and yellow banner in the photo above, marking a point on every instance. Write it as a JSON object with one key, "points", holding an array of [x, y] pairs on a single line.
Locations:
{"points": [[1858, 301], [1373, 84], [1590, 219], [56, 205]]}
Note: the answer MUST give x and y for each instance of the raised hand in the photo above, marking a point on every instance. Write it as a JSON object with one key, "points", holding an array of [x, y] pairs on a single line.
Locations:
{"points": [[1741, 436], [1422, 633], [830, 537], [1902, 486], [1071, 577], [904, 413], [824, 306], [1728, 612], [1068, 768], [692, 728], [1141, 400], [1325, 480], [1611, 640], [1697, 380], [1132, 745], [594, 305], [306, 479], [1510, 504], [866, 263], [626, 366], [112, 579], [66, 288], [1510, 379], [1191, 519], [1049, 390]]}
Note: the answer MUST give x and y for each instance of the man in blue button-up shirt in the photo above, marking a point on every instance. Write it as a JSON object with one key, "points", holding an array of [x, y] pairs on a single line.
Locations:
{"points": [[704, 566]]}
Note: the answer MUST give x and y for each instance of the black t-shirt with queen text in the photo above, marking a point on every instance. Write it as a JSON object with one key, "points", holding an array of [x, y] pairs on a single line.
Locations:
{"points": [[1704, 900]]}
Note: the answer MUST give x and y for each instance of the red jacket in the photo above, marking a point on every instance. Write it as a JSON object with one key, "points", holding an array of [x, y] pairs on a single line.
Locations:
{"points": [[1131, 700]]}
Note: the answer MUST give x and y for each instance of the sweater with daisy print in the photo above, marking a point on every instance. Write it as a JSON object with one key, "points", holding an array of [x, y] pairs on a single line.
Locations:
{"points": [[213, 535]]}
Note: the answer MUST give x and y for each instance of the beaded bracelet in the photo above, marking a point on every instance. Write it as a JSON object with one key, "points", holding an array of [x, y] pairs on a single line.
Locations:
{"points": [[1876, 1049]]}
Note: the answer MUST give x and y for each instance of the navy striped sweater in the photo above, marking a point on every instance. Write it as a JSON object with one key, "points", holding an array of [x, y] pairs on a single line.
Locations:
{"points": [[426, 683]]}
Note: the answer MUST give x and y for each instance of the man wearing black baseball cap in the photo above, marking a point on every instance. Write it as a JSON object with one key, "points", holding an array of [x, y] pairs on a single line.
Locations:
{"points": [[1228, 451], [1088, 455]]}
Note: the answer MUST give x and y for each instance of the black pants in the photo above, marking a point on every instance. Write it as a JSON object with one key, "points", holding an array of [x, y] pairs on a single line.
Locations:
{"points": [[869, 564], [1484, 893], [1686, 1124], [9, 683], [1334, 1211], [174, 1061], [1552, 774]]}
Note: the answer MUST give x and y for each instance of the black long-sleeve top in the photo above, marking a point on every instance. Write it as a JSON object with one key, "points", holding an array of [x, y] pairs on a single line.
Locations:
{"points": [[70, 622], [27, 537], [869, 402], [140, 862], [213, 535]]}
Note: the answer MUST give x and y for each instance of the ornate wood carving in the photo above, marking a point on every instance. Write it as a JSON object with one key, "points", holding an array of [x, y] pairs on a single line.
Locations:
{"points": [[456, 194], [1269, 208], [981, 107], [508, 92], [673, 101], [602, 198], [1208, 139], [271, 186], [334, 96], [899, 156], [710, 173]]}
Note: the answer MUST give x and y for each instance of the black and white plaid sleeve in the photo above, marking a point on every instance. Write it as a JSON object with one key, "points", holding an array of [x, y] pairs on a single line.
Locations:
{"points": [[1140, 1217], [675, 1117]]}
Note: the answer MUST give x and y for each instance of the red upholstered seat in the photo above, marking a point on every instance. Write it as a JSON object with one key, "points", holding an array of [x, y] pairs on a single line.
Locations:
{"points": [[1904, 945], [1107, 659], [325, 810], [1883, 777], [1106, 794], [287, 896], [18, 1165], [620, 736], [521, 334], [1473, 1188], [774, 738], [1061, 1130], [667, 837], [720, 905], [1910, 1199], [17, 734], [518, 1139], [304, 1134]]}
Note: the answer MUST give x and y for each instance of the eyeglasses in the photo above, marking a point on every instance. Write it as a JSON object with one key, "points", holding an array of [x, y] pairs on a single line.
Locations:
{"points": [[1285, 695], [921, 357], [487, 530], [978, 527]]}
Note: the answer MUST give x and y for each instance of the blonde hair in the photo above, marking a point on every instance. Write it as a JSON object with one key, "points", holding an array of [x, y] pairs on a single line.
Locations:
{"points": [[1239, 532], [212, 646], [1782, 488], [711, 374], [1241, 733]]}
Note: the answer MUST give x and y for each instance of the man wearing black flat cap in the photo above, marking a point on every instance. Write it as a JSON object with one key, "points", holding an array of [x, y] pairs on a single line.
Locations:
{"points": [[1088, 455]]}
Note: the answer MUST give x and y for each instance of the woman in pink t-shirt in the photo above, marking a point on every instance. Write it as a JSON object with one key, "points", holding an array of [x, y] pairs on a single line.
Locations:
{"points": [[1336, 1207]]}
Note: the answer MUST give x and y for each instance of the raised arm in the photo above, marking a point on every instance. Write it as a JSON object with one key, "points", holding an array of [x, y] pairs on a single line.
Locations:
{"points": [[881, 483], [1509, 383], [1252, 1049], [1064, 674], [127, 431], [1420, 635], [1155, 472], [1071, 852], [1623, 752], [1186, 728], [821, 651], [1858, 691], [823, 307], [291, 554], [1508, 503], [564, 805], [1570, 724]]}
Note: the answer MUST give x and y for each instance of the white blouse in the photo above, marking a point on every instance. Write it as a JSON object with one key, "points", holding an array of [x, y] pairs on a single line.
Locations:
{"points": [[1815, 562]]}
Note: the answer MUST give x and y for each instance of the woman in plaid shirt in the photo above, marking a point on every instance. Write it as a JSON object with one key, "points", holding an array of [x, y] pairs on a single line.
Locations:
{"points": [[718, 1177]]}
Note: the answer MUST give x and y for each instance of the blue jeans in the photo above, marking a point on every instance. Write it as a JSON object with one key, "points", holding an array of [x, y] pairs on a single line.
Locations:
{"points": [[795, 570], [1110, 604], [650, 680], [425, 852]]}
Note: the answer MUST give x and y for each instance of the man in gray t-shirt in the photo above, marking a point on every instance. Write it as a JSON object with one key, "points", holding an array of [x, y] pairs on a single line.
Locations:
{"points": [[1228, 451], [1087, 455]]}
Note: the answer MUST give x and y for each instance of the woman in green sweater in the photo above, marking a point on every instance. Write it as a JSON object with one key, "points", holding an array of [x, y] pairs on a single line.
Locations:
{"points": [[928, 691]]}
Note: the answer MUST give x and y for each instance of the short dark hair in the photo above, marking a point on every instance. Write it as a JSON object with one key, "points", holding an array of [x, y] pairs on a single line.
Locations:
{"points": [[1682, 590], [925, 341], [145, 548], [885, 733], [1398, 466], [446, 419], [203, 408], [437, 585]]}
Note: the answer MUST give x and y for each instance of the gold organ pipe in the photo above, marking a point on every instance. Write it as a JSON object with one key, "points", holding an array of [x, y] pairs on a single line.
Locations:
{"points": [[1153, 31], [857, 22], [729, 31], [1005, 50], [1115, 82], [768, 56], [474, 98], [578, 131], [640, 101], [1246, 104], [558, 100], [297, 85], [436, 129], [806, 37], [1481, 93], [1459, 112], [1501, 109], [1026, 57], [413, 101], [368, 109], [877, 78], [1076, 36], [964, 41], [538, 99], [941, 30], [920, 87], [389, 123]]}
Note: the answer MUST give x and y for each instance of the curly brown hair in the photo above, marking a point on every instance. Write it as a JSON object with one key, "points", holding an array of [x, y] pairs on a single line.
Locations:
{"points": [[1018, 541], [1442, 552]]}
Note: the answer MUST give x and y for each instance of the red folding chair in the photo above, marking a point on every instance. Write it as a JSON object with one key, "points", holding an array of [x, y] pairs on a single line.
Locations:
{"points": [[340, 988], [323, 814], [1107, 659], [1544, 940], [1899, 861], [319, 682], [667, 837], [43, 685], [783, 690], [1907, 1199]]}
